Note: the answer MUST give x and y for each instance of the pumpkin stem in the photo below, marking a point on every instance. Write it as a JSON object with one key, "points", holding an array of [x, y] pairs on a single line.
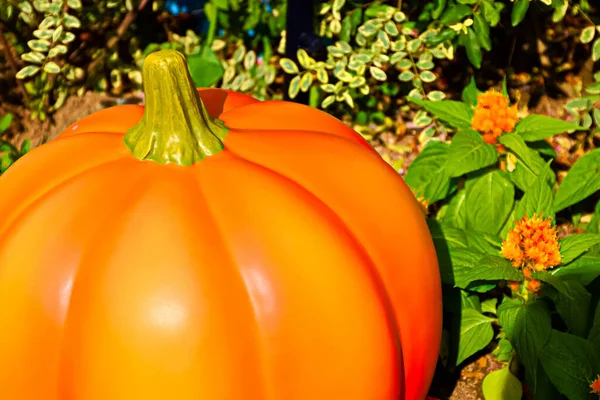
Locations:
{"points": [[176, 127]]}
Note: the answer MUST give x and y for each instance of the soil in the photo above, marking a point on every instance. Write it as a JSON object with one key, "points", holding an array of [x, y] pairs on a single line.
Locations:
{"points": [[75, 108]]}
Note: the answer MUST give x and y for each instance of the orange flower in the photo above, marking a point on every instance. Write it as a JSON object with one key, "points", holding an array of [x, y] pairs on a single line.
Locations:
{"points": [[532, 243], [595, 386], [534, 285], [493, 116], [514, 285]]}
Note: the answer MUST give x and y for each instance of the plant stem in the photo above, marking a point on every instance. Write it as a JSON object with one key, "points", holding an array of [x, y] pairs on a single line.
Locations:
{"points": [[113, 41], [176, 127], [6, 49]]}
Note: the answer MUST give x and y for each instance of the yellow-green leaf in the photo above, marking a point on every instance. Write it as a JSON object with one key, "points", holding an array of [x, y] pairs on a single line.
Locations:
{"points": [[306, 81], [57, 50], [57, 34], [406, 76], [28, 71], [51, 67], [71, 22], [322, 75], [304, 59], [596, 50], [327, 101], [378, 73], [40, 45], [33, 57], [288, 66], [249, 60], [294, 87], [587, 34]]}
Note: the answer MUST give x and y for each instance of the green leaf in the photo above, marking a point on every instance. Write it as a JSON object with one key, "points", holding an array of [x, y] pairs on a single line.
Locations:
{"points": [[502, 385], [482, 29], [573, 246], [596, 50], [489, 305], [582, 181], [571, 364], [33, 57], [489, 202], [378, 73], [476, 332], [28, 71], [573, 306], [519, 11], [504, 352], [205, 68], [5, 122], [537, 199], [39, 45], [427, 76], [473, 47], [71, 21], [438, 8], [436, 95], [585, 269], [294, 87], [504, 88], [468, 153], [470, 266], [560, 10], [406, 76], [455, 13], [490, 13], [538, 127], [51, 68], [455, 113], [594, 334], [456, 212], [74, 4], [470, 93], [529, 165], [288, 66], [427, 175], [221, 4], [528, 328], [587, 34]]}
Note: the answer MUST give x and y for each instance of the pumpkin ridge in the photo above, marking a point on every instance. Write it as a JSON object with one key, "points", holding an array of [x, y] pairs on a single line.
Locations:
{"points": [[327, 217], [259, 337], [100, 229], [373, 272], [9, 222]]}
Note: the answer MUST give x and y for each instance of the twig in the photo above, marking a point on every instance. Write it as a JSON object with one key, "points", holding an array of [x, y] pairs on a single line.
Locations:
{"points": [[6, 48], [121, 29]]}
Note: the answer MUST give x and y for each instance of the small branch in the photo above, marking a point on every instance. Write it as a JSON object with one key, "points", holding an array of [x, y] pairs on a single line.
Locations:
{"points": [[121, 29], [6, 49]]}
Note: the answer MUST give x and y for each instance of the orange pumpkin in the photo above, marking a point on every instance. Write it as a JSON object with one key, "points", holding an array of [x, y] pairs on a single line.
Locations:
{"points": [[213, 247]]}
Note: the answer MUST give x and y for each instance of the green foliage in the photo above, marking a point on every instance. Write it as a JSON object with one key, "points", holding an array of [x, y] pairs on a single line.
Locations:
{"points": [[478, 190], [8, 152], [372, 45]]}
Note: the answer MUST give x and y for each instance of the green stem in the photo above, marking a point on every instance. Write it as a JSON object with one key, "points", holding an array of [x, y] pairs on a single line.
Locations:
{"points": [[176, 127]]}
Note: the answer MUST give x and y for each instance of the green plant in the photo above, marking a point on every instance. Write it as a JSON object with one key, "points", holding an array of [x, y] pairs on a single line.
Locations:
{"points": [[493, 204], [8, 152]]}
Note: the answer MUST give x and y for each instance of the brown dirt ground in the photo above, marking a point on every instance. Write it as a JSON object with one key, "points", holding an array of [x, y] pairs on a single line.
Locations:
{"points": [[74, 109]]}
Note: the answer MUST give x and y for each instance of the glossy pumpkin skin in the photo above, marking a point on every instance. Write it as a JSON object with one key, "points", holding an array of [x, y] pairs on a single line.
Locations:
{"points": [[294, 264]]}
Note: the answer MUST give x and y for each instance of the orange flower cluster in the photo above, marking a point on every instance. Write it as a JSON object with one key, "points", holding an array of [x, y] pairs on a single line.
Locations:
{"points": [[532, 243], [595, 386], [493, 116]]}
